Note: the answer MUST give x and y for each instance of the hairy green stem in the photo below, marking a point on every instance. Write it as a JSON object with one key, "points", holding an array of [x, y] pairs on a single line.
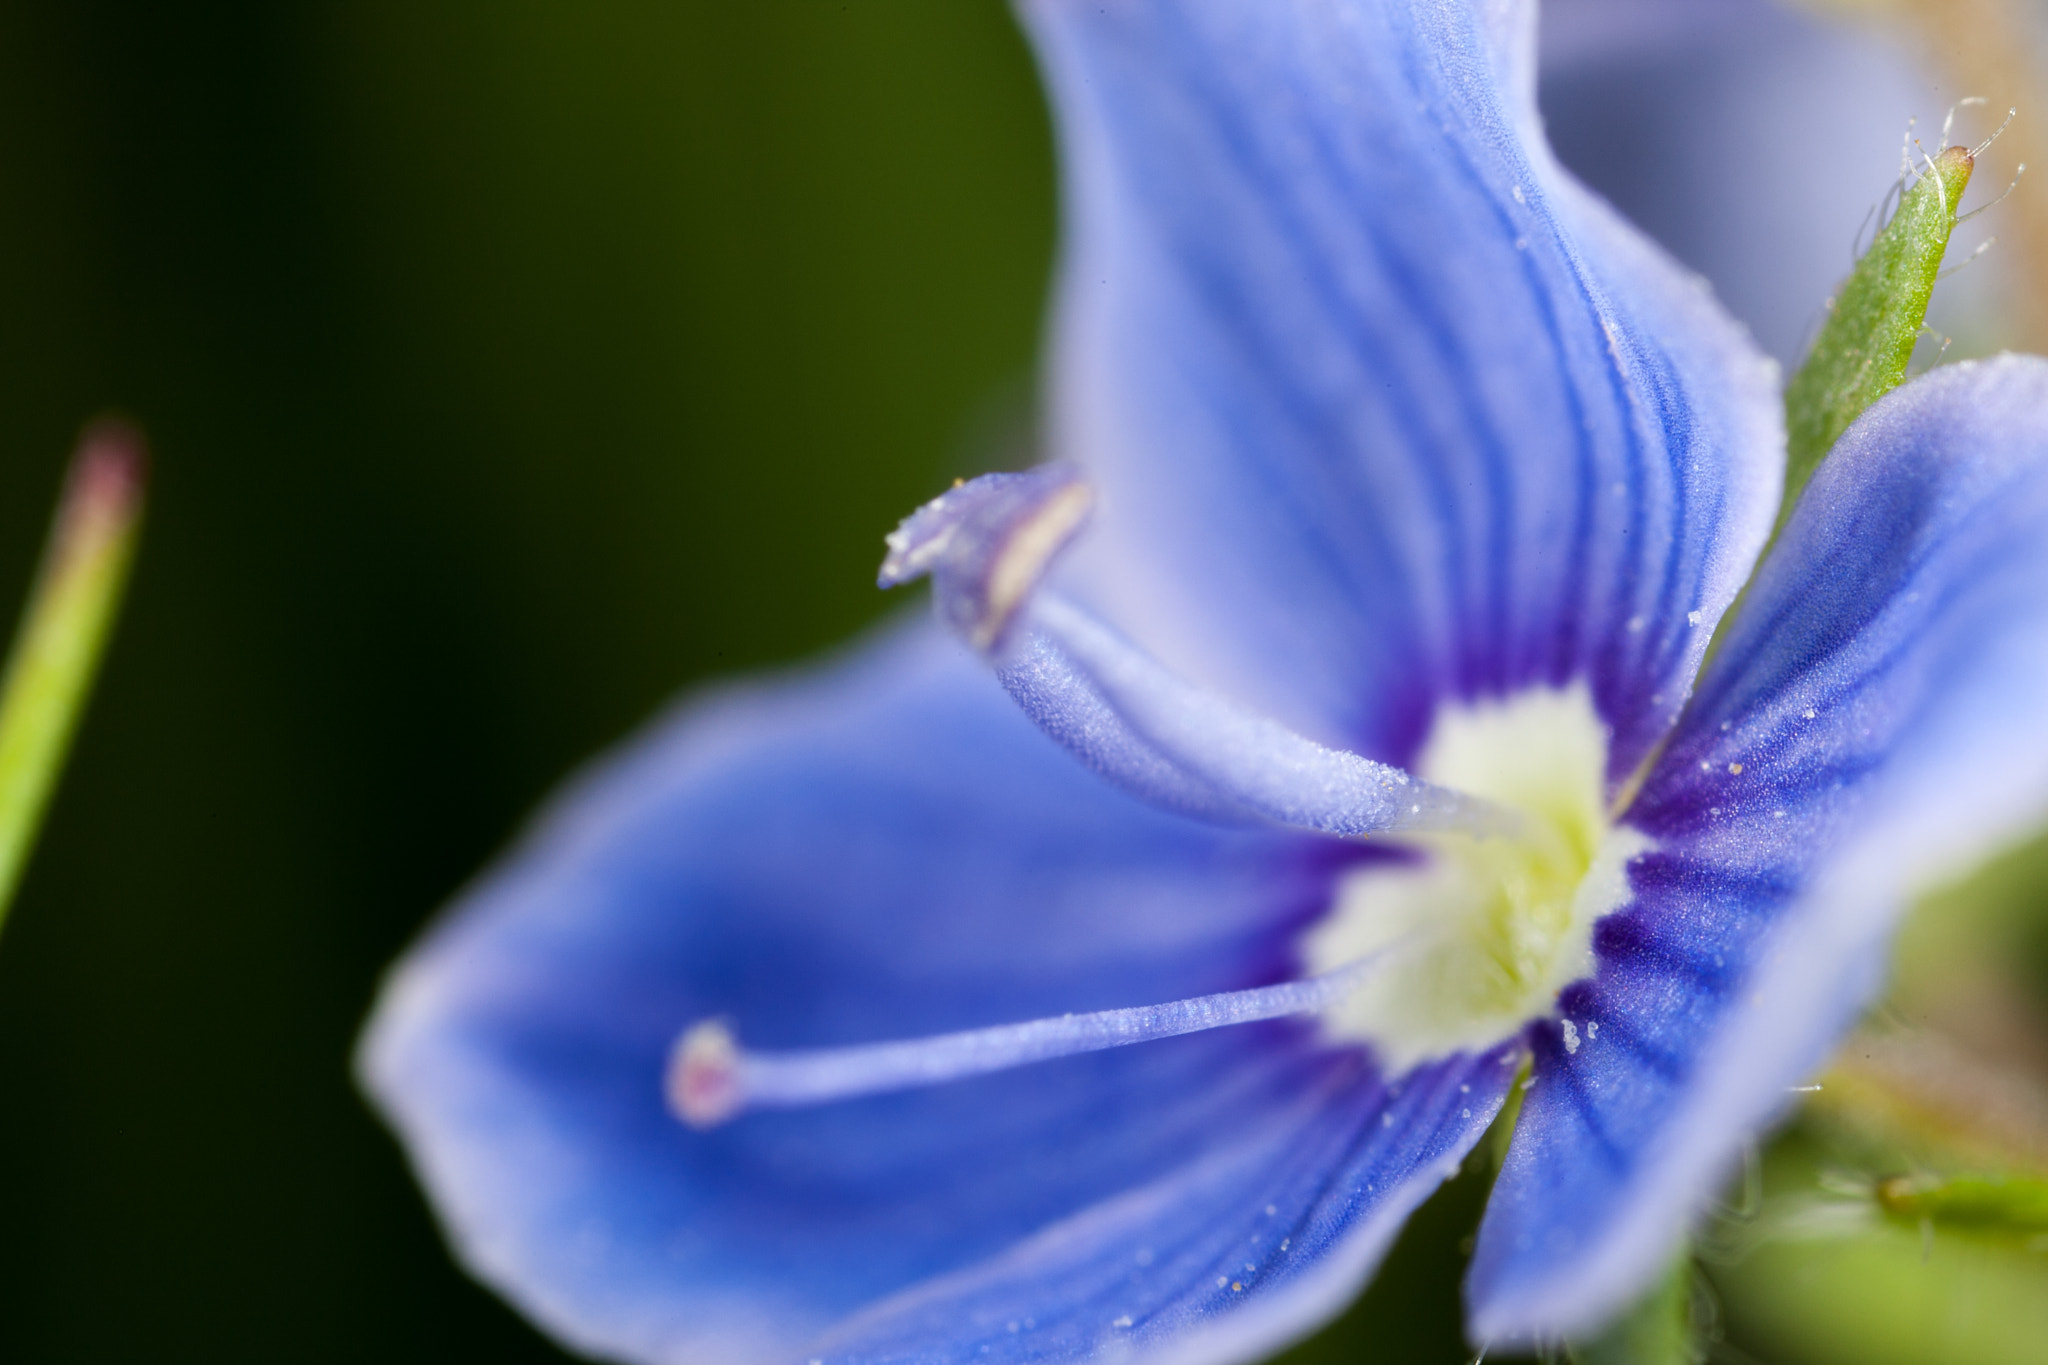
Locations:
{"points": [[1873, 320]]}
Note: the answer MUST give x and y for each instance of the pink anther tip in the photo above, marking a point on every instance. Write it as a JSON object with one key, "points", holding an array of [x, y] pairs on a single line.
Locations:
{"points": [[703, 1075]]}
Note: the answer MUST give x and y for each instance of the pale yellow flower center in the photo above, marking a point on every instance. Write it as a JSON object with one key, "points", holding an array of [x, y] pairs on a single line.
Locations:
{"points": [[1486, 930]]}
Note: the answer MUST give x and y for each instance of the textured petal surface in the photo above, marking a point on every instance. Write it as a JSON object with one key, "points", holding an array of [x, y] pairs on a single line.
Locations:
{"points": [[1223, 1259], [1749, 138], [1381, 407], [888, 849], [1876, 721]]}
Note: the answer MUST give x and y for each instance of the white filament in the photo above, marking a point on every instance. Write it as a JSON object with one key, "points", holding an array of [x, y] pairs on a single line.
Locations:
{"points": [[711, 1078]]}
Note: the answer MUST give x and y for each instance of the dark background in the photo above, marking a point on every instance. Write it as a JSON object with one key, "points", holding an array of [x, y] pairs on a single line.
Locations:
{"points": [[508, 366]]}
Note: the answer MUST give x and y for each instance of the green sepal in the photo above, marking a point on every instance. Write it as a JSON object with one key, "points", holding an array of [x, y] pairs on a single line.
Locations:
{"points": [[1873, 320]]}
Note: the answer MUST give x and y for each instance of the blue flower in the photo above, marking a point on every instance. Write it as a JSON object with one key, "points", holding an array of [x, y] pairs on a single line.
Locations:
{"points": [[1400, 487]]}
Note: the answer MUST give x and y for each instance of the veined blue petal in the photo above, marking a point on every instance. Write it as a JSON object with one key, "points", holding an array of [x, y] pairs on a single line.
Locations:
{"points": [[1876, 721], [1749, 138], [888, 849], [1379, 405], [1221, 1260]]}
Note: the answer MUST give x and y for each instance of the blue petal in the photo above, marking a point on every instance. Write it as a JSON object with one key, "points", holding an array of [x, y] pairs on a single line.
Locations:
{"points": [[1704, 120], [888, 849], [1380, 406], [1875, 723], [1222, 1259]]}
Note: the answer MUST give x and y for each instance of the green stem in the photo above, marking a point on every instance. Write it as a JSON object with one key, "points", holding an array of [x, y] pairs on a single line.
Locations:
{"points": [[1874, 321], [58, 645]]}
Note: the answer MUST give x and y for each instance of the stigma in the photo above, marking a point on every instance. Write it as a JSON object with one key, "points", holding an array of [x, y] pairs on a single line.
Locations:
{"points": [[1494, 927]]}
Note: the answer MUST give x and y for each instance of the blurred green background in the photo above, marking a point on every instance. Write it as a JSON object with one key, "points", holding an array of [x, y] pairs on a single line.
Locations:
{"points": [[508, 366]]}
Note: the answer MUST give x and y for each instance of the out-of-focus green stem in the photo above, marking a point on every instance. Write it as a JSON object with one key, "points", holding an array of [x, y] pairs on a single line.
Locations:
{"points": [[2015, 1205], [57, 648], [1842, 1269]]}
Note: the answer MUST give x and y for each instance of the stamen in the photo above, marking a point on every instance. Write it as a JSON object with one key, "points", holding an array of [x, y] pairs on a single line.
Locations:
{"points": [[988, 544], [711, 1078], [1143, 710]]}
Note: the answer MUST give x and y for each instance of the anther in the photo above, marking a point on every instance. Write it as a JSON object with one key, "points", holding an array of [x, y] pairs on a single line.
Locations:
{"points": [[986, 544]]}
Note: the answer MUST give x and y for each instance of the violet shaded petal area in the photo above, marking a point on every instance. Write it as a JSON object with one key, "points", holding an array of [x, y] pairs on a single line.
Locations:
{"points": [[1381, 407], [1875, 723], [883, 849]]}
